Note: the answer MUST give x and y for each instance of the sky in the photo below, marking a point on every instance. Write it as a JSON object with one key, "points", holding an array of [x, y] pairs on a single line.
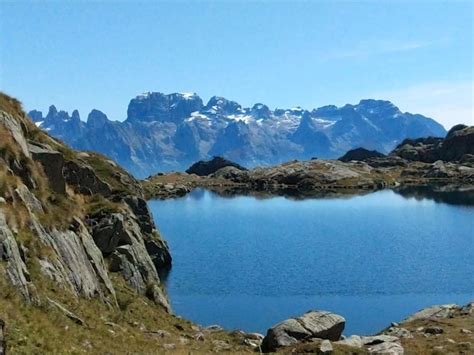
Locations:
{"points": [[100, 54]]}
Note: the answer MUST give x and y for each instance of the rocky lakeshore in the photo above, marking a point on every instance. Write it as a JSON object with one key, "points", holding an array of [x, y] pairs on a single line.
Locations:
{"points": [[442, 329], [429, 161]]}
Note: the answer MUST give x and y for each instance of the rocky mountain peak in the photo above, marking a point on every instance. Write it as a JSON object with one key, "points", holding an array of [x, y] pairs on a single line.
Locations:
{"points": [[373, 107], [261, 111], [156, 106], [52, 111], [168, 131], [222, 105], [75, 115], [36, 116], [97, 118]]}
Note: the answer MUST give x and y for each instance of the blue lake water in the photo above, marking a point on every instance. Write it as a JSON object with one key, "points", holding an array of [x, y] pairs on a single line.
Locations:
{"points": [[248, 263]]}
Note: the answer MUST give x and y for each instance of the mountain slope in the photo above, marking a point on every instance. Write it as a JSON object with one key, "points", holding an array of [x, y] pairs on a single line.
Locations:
{"points": [[169, 132]]}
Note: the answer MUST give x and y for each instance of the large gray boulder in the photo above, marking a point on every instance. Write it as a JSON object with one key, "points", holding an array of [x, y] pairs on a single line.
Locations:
{"points": [[313, 324], [109, 232], [53, 164]]}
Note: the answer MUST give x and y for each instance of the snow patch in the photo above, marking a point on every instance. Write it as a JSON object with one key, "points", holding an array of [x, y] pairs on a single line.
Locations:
{"points": [[244, 118], [187, 95]]}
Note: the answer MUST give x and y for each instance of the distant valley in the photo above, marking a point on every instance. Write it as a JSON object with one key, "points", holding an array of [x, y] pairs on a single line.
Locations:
{"points": [[169, 132]]}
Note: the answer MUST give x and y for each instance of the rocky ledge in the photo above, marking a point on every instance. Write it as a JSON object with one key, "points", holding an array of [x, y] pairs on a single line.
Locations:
{"points": [[438, 329]]}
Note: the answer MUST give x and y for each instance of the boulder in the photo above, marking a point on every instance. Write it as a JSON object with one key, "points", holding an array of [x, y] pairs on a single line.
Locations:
{"points": [[313, 324], [353, 341], [84, 180], [386, 348], [140, 208], [53, 164], [434, 312], [29, 200], [159, 253], [108, 233], [325, 347], [76, 319]]}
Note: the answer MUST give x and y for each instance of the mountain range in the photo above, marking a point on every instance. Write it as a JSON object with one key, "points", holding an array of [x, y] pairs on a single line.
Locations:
{"points": [[164, 132]]}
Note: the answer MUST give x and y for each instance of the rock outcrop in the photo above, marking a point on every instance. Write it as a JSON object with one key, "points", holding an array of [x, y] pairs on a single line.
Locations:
{"points": [[313, 324], [203, 168], [458, 143], [74, 218], [53, 164], [360, 154]]}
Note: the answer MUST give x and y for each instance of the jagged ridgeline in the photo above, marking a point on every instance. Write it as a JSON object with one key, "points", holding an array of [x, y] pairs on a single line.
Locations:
{"points": [[170, 132], [77, 241]]}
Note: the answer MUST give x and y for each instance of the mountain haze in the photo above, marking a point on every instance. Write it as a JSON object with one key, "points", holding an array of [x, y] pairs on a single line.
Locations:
{"points": [[169, 132]]}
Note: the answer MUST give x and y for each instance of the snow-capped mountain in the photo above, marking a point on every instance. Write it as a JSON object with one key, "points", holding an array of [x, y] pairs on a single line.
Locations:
{"points": [[169, 132]]}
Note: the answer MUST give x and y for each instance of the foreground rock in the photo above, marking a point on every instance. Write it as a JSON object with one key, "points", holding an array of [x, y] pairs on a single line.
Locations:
{"points": [[314, 324]]}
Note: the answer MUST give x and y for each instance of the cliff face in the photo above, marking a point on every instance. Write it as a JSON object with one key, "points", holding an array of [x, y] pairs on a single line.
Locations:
{"points": [[74, 220]]}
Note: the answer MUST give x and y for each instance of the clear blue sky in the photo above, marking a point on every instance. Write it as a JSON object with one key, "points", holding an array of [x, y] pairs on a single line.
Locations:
{"points": [[86, 55]]}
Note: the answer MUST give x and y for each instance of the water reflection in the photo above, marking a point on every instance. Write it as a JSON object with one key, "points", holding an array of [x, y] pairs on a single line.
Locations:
{"points": [[444, 194]]}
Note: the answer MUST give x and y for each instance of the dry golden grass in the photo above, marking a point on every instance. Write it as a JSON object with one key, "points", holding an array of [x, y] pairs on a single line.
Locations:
{"points": [[133, 329]]}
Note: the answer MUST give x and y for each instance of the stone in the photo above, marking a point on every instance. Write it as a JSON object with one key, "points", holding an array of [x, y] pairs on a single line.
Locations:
{"points": [[377, 339], [199, 336], [169, 346], [434, 330], [254, 336], [53, 164], [253, 343], [160, 333], [325, 347], [29, 200], [109, 232], [466, 331], [434, 312], [16, 129], [354, 341], [84, 180], [386, 348], [220, 345], [313, 324], [398, 332], [76, 319], [214, 328]]}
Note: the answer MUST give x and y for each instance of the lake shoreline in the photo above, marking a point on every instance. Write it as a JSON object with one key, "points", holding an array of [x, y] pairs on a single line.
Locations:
{"points": [[417, 336]]}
